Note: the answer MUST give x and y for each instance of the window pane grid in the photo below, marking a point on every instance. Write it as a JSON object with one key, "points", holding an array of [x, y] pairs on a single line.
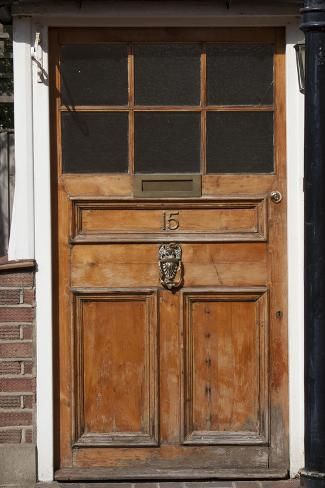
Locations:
{"points": [[203, 107]]}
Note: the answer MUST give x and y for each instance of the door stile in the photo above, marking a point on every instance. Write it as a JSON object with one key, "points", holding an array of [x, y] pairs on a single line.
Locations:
{"points": [[278, 275], [61, 250]]}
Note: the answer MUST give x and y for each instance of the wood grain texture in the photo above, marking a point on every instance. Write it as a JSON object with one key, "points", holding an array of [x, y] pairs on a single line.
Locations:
{"points": [[224, 402], [175, 458], [278, 277], [136, 265], [125, 348], [238, 184], [170, 361], [213, 220], [102, 474], [94, 185], [116, 368], [170, 108]]}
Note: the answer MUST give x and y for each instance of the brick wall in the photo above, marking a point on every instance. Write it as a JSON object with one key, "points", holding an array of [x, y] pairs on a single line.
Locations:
{"points": [[17, 353]]}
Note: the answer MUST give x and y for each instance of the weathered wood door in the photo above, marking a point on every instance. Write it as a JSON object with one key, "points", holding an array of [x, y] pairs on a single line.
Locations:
{"points": [[171, 361]]}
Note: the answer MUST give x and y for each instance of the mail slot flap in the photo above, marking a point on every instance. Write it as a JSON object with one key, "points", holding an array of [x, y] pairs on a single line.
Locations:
{"points": [[164, 185]]}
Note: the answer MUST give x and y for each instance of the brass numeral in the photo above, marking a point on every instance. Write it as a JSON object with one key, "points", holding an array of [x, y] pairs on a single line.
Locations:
{"points": [[170, 220]]}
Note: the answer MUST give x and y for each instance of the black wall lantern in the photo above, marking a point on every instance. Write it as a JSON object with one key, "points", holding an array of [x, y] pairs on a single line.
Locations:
{"points": [[300, 57]]}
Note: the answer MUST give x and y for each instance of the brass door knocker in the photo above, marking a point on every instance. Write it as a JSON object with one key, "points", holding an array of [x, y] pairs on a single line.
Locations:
{"points": [[170, 265]]}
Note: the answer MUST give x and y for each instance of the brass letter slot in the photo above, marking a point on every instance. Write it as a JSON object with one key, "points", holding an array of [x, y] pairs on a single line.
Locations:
{"points": [[160, 186]]}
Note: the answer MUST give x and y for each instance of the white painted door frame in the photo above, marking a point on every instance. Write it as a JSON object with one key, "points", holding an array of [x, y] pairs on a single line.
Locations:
{"points": [[31, 225]]}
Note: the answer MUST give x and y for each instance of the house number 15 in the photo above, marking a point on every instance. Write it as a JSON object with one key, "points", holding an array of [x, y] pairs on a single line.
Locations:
{"points": [[170, 220]]}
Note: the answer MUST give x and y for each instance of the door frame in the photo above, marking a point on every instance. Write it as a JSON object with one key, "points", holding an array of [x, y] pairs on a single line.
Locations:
{"points": [[41, 216]]}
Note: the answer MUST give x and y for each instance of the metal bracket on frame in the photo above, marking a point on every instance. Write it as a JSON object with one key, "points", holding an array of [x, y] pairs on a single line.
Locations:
{"points": [[37, 57]]}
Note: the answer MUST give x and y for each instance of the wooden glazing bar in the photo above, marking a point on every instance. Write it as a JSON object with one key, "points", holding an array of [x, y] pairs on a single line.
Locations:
{"points": [[203, 76], [203, 105], [94, 108], [240, 108], [130, 76], [131, 105], [169, 108], [57, 103], [131, 142], [279, 105]]}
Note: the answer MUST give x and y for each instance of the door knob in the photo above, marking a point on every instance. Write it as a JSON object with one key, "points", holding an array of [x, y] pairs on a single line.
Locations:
{"points": [[276, 196]]}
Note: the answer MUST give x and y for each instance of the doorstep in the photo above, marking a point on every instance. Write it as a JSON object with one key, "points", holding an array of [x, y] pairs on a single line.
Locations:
{"points": [[294, 483]]}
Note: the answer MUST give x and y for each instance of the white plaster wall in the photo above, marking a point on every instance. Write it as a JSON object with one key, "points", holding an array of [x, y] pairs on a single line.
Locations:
{"points": [[33, 157]]}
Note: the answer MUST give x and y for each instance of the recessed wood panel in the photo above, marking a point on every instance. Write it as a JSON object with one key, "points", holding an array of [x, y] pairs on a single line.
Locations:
{"points": [[212, 220], [116, 368], [225, 366]]}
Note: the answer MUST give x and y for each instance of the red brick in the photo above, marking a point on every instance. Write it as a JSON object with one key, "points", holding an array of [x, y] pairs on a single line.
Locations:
{"points": [[28, 436], [16, 350], [16, 314], [17, 384], [27, 332], [10, 402], [9, 332], [10, 297], [8, 419], [10, 367], [10, 437], [29, 296], [28, 367], [18, 280], [28, 401]]}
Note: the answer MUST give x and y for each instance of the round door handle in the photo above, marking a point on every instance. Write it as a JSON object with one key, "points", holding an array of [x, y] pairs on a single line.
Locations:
{"points": [[276, 196]]}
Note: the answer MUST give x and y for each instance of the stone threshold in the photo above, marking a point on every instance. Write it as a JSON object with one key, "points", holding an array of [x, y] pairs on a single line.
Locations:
{"points": [[292, 483]]}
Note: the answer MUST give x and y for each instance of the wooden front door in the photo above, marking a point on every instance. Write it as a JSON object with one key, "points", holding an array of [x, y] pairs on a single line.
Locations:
{"points": [[170, 260]]}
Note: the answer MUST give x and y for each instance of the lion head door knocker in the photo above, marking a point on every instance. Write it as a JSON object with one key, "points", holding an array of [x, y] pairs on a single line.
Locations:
{"points": [[170, 265]]}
